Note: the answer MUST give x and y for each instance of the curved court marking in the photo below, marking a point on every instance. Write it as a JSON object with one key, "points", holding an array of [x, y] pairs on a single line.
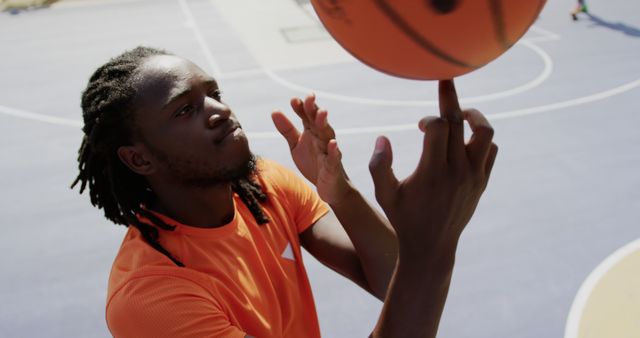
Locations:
{"points": [[40, 117], [579, 303], [546, 35], [544, 75], [497, 116], [191, 23], [377, 129], [374, 129]]}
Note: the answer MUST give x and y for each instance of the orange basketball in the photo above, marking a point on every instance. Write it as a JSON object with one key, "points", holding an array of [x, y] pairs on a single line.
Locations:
{"points": [[427, 39]]}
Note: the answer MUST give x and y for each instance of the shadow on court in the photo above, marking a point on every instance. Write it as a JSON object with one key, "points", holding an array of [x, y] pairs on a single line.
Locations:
{"points": [[617, 26]]}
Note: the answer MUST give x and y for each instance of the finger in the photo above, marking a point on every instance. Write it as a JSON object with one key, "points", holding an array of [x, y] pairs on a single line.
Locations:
{"points": [[310, 107], [286, 128], [481, 138], [384, 180], [435, 142], [450, 111], [298, 107], [322, 124], [448, 100], [321, 131], [491, 159]]}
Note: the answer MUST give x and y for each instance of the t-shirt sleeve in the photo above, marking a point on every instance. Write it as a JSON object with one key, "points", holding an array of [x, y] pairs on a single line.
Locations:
{"points": [[167, 306], [304, 204]]}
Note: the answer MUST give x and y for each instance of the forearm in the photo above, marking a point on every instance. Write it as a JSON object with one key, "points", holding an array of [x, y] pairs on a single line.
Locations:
{"points": [[373, 238], [415, 299]]}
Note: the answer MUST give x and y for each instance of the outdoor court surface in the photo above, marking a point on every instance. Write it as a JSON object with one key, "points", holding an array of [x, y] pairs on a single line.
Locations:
{"points": [[552, 250]]}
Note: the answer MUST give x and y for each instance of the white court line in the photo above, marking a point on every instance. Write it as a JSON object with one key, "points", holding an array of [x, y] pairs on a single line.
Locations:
{"points": [[191, 23], [565, 104], [548, 35], [492, 117], [376, 129], [40, 117], [544, 75], [579, 303]]}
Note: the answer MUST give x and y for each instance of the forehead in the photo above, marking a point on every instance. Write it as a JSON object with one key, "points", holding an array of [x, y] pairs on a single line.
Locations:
{"points": [[162, 76]]}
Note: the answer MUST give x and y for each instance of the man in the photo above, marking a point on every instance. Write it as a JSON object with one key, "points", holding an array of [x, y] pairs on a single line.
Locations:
{"points": [[581, 7], [214, 241]]}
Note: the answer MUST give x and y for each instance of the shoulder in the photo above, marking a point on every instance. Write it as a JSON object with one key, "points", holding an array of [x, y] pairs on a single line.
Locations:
{"points": [[153, 285], [159, 302], [296, 197], [276, 178], [273, 173], [137, 259]]}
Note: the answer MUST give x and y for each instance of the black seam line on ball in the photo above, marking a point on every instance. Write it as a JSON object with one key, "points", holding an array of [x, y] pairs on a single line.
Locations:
{"points": [[416, 37], [444, 6], [498, 22]]}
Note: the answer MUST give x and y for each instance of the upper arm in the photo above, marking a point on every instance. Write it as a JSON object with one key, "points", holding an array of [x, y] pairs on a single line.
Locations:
{"points": [[325, 238], [167, 306], [328, 242]]}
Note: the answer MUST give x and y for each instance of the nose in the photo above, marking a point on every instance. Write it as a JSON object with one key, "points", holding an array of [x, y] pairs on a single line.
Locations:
{"points": [[217, 112]]}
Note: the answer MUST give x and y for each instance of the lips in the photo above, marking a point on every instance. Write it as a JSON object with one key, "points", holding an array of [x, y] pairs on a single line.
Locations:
{"points": [[225, 130]]}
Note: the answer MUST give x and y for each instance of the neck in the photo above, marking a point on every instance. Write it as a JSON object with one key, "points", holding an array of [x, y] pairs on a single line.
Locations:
{"points": [[209, 207]]}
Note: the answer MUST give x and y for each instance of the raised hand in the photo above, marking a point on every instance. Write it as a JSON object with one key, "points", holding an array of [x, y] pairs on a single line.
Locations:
{"points": [[315, 150], [430, 208]]}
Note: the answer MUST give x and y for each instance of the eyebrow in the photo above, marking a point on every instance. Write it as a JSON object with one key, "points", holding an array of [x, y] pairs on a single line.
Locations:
{"points": [[209, 83]]}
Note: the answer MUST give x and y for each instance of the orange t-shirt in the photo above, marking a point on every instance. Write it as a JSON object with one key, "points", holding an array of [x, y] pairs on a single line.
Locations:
{"points": [[239, 279]]}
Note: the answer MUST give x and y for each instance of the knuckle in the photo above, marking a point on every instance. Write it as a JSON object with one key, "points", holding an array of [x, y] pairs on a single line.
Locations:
{"points": [[433, 123], [486, 131], [471, 111]]}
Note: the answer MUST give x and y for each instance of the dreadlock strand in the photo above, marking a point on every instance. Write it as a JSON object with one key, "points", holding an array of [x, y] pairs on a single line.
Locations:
{"points": [[150, 234], [246, 191]]}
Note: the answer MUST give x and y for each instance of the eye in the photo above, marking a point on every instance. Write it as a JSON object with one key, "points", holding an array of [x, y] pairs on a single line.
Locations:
{"points": [[216, 94], [185, 110]]}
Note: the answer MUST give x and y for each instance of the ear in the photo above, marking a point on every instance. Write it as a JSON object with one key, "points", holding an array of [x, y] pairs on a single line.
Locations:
{"points": [[137, 159]]}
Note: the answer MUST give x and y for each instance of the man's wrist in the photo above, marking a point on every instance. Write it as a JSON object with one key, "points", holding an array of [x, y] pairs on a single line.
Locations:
{"points": [[431, 260], [346, 197]]}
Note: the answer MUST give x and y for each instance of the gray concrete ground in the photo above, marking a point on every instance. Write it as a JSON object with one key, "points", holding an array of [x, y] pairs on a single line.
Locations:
{"points": [[563, 196]]}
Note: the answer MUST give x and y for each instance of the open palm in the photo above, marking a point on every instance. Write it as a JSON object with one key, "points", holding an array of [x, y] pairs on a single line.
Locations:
{"points": [[314, 150]]}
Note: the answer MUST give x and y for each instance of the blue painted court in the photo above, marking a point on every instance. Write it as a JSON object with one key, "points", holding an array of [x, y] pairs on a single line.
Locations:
{"points": [[551, 252]]}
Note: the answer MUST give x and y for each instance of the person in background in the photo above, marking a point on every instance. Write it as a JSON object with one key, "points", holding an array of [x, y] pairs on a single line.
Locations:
{"points": [[580, 8]]}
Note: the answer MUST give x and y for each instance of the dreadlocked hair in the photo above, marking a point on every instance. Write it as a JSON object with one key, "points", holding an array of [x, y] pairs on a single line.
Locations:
{"points": [[107, 110]]}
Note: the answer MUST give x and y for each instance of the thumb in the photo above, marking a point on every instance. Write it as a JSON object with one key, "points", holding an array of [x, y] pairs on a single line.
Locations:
{"points": [[384, 180]]}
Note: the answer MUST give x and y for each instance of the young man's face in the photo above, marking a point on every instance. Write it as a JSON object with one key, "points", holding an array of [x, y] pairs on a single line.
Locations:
{"points": [[190, 136]]}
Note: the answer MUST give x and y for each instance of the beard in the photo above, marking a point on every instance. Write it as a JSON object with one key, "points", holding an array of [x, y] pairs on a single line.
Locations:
{"points": [[201, 174]]}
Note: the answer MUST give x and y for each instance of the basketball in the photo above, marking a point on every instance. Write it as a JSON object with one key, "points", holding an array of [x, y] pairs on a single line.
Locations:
{"points": [[427, 39]]}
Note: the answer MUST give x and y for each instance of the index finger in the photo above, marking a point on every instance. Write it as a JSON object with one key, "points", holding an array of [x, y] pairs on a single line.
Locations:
{"points": [[450, 111], [448, 99], [298, 108]]}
